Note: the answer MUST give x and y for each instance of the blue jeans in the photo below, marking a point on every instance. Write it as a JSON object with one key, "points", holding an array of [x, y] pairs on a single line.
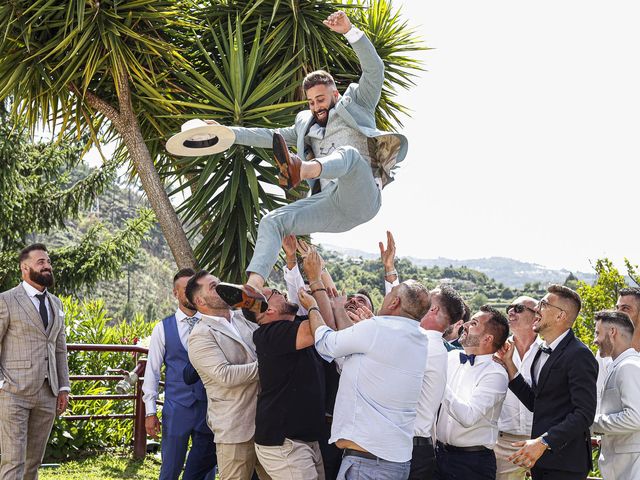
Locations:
{"points": [[351, 200], [357, 468]]}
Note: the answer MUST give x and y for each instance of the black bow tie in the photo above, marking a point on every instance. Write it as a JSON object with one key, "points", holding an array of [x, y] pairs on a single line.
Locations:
{"points": [[546, 350], [464, 357]]}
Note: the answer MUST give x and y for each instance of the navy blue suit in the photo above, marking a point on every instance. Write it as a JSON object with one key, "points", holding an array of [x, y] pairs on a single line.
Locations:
{"points": [[563, 402], [184, 416]]}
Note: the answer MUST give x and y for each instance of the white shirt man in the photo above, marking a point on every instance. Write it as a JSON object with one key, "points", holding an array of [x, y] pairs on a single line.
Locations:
{"points": [[618, 415], [467, 428], [516, 420]]}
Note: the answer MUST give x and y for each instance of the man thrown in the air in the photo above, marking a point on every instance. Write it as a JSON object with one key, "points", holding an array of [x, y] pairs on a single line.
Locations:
{"points": [[347, 162]]}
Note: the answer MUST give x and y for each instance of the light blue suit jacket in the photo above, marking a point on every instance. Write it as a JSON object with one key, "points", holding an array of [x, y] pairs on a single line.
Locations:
{"points": [[356, 107]]}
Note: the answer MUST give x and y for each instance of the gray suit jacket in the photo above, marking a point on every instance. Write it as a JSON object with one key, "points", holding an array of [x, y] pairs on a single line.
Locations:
{"points": [[28, 352], [357, 107], [228, 367], [618, 419]]}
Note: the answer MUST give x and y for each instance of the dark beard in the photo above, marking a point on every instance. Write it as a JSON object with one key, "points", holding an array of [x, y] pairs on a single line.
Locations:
{"points": [[323, 123], [289, 308], [44, 279]]}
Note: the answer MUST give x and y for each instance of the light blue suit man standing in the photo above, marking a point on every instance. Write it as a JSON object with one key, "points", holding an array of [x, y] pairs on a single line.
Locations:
{"points": [[347, 162]]}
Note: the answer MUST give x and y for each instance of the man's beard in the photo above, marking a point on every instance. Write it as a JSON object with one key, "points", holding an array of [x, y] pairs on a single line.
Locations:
{"points": [[189, 306], [43, 278], [468, 340], [289, 308], [606, 347], [323, 123]]}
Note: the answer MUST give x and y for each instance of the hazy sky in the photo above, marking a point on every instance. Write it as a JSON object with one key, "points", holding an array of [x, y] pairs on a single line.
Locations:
{"points": [[524, 138]]}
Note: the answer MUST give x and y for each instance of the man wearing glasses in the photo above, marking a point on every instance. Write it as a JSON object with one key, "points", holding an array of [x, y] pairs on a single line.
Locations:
{"points": [[562, 393], [290, 416], [515, 420]]}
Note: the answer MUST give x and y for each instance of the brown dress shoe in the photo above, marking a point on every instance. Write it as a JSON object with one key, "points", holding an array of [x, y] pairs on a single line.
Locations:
{"points": [[288, 163], [242, 296]]}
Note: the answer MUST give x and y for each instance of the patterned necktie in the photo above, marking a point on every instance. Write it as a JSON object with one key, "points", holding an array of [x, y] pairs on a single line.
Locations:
{"points": [[470, 358], [191, 321], [43, 309]]}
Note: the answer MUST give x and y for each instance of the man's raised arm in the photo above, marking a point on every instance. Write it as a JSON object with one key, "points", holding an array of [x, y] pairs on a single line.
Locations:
{"points": [[371, 80]]}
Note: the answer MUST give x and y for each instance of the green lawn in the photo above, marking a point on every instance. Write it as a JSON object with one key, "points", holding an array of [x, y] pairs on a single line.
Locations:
{"points": [[104, 467]]}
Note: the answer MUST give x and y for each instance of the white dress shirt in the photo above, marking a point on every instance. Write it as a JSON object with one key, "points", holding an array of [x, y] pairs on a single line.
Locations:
{"points": [[603, 368], [515, 418], [433, 385], [380, 383], [294, 281], [545, 356], [472, 402], [155, 359], [32, 292]]}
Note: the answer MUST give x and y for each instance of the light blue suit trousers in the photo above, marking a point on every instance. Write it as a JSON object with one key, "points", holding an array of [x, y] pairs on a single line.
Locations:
{"points": [[353, 199]]}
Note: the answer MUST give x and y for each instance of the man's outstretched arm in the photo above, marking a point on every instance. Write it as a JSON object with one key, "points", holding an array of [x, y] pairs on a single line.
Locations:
{"points": [[371, 80]]}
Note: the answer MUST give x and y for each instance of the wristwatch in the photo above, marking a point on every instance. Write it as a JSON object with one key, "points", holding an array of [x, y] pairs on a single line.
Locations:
{"points": [[545, 443]]}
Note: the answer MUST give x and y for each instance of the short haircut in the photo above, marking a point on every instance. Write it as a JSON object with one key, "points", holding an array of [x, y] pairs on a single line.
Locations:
{"points": [[26, 251], [193, 287], [451, 302], [466, 315], [319, 77], [618, 319], [567, 294], [183, 272], [497, 325], [630, 291], [365, 292], [414, 299]]}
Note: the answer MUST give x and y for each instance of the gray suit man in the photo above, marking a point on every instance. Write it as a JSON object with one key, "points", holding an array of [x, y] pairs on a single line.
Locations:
{"points": [[34, 376], [222, 351], [345, 156], [618, 415]]}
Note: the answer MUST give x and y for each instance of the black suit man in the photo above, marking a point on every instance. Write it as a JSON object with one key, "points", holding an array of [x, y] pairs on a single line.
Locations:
{"points": [[562, 395]]}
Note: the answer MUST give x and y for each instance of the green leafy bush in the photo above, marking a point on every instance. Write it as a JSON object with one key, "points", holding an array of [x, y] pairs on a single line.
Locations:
{"points": [[87, 322]]}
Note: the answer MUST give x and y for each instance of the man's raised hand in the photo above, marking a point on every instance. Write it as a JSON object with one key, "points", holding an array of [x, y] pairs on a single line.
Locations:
{"points": [[388, 255], [313, 265], [338, 22], [306, 300]]}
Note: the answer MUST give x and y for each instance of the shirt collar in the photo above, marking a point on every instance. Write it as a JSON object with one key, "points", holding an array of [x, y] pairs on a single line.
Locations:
{"points": [[433, 334], [557, 341], [487, 357], [31, 290], [628, 352], [216, 318], [180, 315]]}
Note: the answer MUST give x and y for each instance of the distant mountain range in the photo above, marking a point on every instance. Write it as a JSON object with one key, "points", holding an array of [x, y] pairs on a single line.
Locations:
{"points": [[512, 273]]}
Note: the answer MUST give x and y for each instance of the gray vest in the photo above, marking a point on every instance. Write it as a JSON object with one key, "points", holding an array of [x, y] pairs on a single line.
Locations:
{"points": [[337, 133]]}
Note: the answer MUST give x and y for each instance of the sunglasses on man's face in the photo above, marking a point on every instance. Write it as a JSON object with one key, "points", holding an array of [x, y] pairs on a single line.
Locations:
{"points": [[519, 308], [274, 292]]}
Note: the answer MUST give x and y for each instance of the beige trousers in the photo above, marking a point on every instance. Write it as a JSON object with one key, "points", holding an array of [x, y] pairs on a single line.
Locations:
{"points": [[25, 425], [293, 460], [503, 449], [236, 461]]}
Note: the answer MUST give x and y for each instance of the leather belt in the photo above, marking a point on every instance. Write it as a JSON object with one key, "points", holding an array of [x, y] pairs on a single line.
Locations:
{"points": [[357, 453], [422, 442], [451, 448]]}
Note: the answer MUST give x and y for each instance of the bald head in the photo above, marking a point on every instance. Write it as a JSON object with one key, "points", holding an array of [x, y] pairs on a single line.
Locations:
{"points": [[410, 299]]}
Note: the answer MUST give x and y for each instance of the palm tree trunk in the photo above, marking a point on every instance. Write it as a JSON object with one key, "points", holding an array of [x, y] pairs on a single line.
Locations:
{"points": [[126, 123]]}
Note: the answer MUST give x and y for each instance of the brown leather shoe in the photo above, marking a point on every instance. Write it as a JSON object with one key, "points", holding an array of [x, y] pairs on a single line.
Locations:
{"points": [[242, 296], [288, 163]]}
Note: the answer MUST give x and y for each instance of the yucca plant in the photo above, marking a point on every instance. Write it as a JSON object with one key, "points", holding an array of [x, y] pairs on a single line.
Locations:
{"points": [[246, 68], [102, 68]]}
